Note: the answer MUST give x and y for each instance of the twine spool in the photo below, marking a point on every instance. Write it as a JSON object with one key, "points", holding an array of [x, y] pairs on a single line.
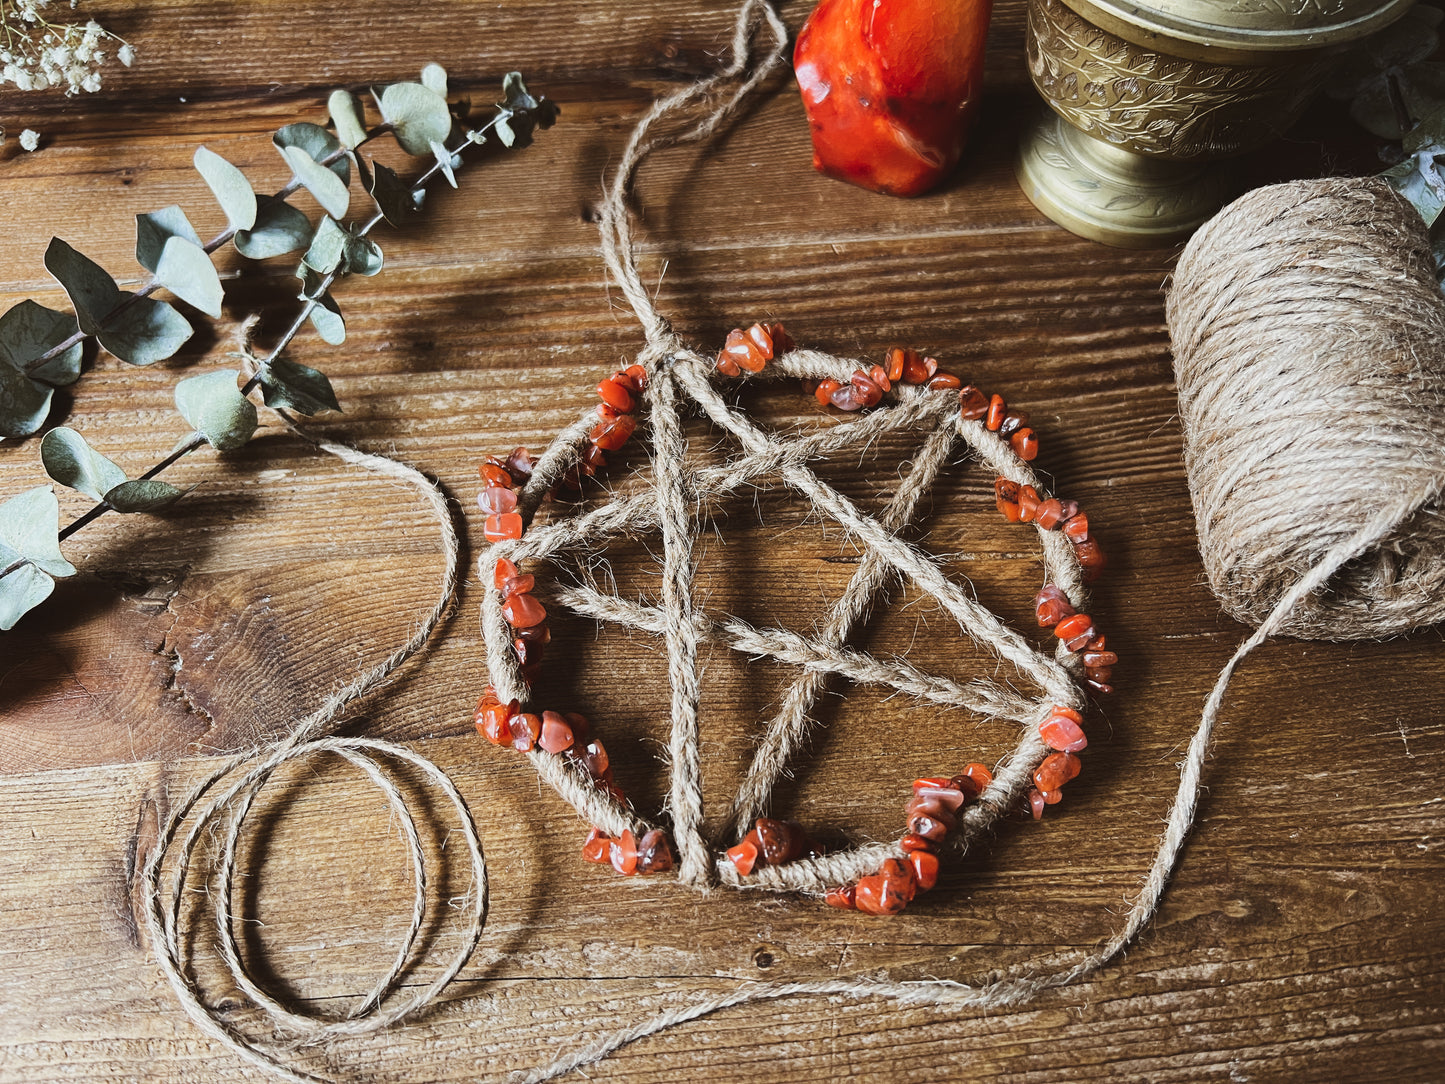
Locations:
{"points": [[1309, 349]]}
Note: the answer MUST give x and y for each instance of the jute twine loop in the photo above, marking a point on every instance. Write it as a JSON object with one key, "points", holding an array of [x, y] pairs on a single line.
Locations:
{"points": [[1309, 348]]}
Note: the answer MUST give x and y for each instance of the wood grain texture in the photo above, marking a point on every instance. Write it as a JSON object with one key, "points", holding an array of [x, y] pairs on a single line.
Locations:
{"points": [[1302, 938]]}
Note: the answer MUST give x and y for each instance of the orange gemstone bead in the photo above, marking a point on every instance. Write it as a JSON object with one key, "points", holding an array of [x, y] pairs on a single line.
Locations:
{"points": [[972, 403], [780, 841], [638, 375], [495, 500], [1025, 444], [523, 611], [1006, 497], [1013, 421], [973, 780], [491, 721], [504, 571], [841, 898], [1051, 514], [896, 362], [1028, 503], [1076, 529], [1078, 628], [864, 390], [526, 729], [556, 736], [947, 796], [728, 367], [996, 410], [1056, 770], [944, 381], [744, 856], [495, 474], [925, 869], [597, 848], [761, 341], [502, 526], [653, 853], [824, 391], [521, 584], [623, 853], [617, 396], [910, 842], [1062, 734], [879, 376], [1036, 803], [1051, 606], [595, 759], [612, 434], [1099, 658], [782, 341], [742, 352], [887, 892]]}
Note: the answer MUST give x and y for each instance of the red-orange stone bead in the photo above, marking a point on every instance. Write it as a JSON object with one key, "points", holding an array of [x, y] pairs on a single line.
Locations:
{"points": [[744, 856], [1036, 803], [741, 351], [1025, 444], [841, 898], [879, 376], [761, 340], [504, 571], [782, 341], [520, 584], [491, 720], [523, 611], [1006, 497], [520, 465], [496, 474], [910, 842], [557, 736], [996, 410], [944, 381], [1076, 529], [925, 869], [780, 841], [973, 780], [1051, 606], [495, 500], [502, 526], [949, 797], [824, 391], [1056, 770], [1075, 627], [897, 360], [653, 853], [887, 892], [1028, 503], [526, 729], [728, 367], [612, 435], [623, 853], [1062, 734], [1051, 514], [1013, 421], [1099, 658], [617, 396], [638, 375], [595, 760], [915, 369], [972, 403], [598, 847], [864, 390]]}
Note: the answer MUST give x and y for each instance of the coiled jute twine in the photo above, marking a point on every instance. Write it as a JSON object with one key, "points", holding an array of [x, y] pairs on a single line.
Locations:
{"points": [[1309, 340]]}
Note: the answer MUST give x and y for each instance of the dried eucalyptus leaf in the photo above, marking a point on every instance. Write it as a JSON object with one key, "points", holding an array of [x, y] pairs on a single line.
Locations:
{"points": [[186, 271], [153, 230], [91, 290], [502, 126], [317, 142], [418, 114], [345, 113], [144, 495], [434, 78], [393, 196], [146, 332], [24, 403], [1418, 179], [327, 319], [289, 386], [29, 331], [30, 530], [329, 189], [363, 256], [279, 229], [214, 407], [21, 591], [447, 161], [328, 247], [69, 460], [230, 187]]}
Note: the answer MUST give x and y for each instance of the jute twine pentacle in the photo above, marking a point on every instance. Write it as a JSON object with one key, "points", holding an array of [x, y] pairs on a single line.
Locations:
{"points": [[678, 378]]}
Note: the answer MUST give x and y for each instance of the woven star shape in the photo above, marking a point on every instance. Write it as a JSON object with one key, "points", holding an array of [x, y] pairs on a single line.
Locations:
{"points": [[674, 506]]}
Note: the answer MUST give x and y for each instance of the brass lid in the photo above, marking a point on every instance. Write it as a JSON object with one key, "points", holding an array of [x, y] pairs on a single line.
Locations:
{"points": [[1240, 26]]}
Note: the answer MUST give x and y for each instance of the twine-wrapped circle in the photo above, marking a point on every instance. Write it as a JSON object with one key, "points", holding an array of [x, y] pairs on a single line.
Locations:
{"points": [[1309, 348]]}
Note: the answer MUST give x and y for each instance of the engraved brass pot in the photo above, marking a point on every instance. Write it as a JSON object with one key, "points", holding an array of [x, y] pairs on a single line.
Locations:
{"points": [[1147, 97]]}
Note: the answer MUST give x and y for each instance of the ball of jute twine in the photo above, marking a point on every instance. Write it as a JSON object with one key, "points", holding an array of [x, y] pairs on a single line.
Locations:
{"points": [[1309, 349]]}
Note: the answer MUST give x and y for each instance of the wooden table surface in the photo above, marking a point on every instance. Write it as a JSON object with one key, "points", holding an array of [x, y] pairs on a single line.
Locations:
{"points": [[1302, 937]]}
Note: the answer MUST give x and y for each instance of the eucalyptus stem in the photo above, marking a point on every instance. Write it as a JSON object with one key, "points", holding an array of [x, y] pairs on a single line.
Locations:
{"points": [[196, 440]]}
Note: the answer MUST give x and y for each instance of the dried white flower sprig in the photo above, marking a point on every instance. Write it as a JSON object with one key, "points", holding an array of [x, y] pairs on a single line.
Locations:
{"points": [[38, 54]]}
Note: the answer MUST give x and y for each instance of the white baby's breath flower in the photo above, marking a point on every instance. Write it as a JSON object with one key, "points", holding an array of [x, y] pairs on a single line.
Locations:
{"points": [[126, 55], [29, 139], [91, 83]]}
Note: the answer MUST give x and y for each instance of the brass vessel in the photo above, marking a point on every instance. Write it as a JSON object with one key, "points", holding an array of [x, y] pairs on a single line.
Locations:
{"points": [[1146, 97]]}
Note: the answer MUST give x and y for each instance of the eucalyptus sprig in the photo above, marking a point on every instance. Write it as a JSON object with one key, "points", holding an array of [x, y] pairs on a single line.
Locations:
{"points": [[41, 348]]}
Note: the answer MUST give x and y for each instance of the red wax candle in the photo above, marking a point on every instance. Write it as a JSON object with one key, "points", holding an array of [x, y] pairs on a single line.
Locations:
{"points": [[891, 88]]}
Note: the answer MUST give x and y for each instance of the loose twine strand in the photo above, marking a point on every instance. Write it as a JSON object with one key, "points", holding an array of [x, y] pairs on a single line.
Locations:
{"points": [[680, 497]]}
